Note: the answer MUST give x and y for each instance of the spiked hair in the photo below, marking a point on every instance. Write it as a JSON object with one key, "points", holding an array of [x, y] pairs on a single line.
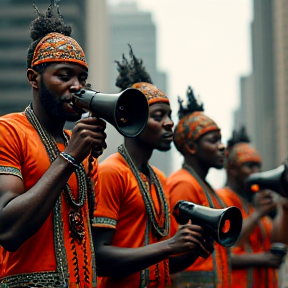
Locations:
{"points": [[192, 105], [51, 21], [131, 72], [239, 136]]}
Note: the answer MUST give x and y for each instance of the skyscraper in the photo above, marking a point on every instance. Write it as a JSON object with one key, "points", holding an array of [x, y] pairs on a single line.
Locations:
{"points": [[15, 18], [129, 25]]}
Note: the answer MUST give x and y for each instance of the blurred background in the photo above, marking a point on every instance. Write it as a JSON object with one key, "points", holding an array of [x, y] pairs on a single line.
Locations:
{"points": [[234, 54]]}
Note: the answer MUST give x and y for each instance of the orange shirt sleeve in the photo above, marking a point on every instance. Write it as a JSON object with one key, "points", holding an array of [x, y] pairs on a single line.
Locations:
{"points": [[10, 147]]}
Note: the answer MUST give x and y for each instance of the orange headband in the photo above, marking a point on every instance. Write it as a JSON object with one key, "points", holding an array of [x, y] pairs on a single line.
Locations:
{"points": [[152, 93], [192, 127], [242, 153], [56, 47]]}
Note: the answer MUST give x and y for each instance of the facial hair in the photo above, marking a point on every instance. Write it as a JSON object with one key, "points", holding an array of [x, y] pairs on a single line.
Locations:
{"points": [[54, 105]]}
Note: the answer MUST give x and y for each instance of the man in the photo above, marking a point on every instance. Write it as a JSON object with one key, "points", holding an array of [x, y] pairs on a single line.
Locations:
{"points": [[131, 227], [198, 139], [45, 191], [252, 262]]}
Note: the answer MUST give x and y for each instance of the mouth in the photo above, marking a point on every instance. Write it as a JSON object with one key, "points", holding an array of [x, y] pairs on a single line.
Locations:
{"points": [[70, 106], [168, 136]]}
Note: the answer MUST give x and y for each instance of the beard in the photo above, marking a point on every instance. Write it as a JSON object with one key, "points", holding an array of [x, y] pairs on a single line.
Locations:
{"points": [[54, 105]]}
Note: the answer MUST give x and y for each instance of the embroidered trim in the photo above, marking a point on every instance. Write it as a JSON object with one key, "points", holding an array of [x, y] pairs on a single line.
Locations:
{"points": [[104, 220], [11, 171], [42, 279], [196, 279]]}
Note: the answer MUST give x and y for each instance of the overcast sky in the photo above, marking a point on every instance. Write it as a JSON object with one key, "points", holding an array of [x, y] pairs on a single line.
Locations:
{"points": [[205, 44]]}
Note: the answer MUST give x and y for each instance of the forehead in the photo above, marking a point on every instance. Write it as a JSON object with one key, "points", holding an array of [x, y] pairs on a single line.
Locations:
{"points": [[216, 133], [67, 66], [159, 106]]}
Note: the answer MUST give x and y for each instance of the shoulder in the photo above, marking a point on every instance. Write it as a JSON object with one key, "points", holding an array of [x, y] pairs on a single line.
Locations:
{"points": [[182, 177]]}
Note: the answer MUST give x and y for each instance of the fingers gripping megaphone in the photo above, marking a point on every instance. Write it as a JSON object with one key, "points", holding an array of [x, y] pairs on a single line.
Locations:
{"points": [[224, 225], [127, 111]]}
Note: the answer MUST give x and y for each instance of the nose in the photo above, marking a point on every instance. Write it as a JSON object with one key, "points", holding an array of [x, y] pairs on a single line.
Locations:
{"points": [[222, 147], [168, 123], [75, 85]]}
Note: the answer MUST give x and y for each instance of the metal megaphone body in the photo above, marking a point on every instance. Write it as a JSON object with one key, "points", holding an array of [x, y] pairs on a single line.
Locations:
{"points": [[224, 225], [127, 111], [275, 179]]}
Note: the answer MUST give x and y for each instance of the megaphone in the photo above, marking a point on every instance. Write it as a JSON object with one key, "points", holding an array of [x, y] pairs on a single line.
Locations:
{"points": [[224, 225], [275, 179], [127, 111]]}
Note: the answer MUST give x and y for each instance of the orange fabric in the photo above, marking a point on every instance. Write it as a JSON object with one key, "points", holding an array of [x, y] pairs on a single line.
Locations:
{"points": [[183, 186], [56, 47], [242, 153], [23, 154], [120, 206], [191, 127], [152, 93], [259, 242]]}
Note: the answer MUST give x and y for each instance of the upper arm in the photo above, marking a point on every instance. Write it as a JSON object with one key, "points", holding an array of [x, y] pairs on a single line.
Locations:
{"points": [[11, 183], [10, 187]]}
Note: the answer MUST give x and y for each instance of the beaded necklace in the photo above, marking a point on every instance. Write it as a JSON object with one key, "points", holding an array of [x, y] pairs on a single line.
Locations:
{"points": [[155, 219], [75, 216], [208, 190]]}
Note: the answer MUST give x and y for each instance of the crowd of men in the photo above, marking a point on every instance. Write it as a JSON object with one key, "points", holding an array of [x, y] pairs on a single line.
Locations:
{"points": [[66, 221]]}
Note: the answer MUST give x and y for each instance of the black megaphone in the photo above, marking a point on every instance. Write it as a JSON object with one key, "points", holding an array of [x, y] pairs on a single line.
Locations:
{"points": [[275, 179], [224, 225], [127, 111]]}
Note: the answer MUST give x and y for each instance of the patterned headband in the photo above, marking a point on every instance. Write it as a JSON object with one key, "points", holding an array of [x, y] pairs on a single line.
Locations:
{"points": [[152, 93], [191, 127], [56, 47], [242, 153]]}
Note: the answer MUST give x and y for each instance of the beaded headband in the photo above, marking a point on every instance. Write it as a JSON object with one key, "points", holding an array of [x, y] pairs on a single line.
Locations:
{"points": [[242, 153], [56, 47], [152, 93], [191, 127]]}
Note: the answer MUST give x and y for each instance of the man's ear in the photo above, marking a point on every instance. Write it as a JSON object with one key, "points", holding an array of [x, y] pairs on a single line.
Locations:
{"points": [[33, 78], [190, 148]]}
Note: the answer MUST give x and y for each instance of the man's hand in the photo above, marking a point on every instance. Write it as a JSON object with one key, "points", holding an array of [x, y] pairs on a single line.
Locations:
{"points": [[191, 238], [87, 137], [263, 202]]}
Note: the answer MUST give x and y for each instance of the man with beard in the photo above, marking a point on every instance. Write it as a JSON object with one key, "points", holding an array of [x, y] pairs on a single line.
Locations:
{"points": [[131, 227], [198, 138], [46, 176]]}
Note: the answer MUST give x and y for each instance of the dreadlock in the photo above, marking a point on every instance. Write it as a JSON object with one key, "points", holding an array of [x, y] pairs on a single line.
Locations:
{"points": [[51, 21], [238, 137], [131, 73], [192, 105]]}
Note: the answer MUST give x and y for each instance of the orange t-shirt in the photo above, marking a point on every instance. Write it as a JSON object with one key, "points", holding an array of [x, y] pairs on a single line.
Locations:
{"points": [[259, 241], [51, 256], [213, 271], [120, 206]]}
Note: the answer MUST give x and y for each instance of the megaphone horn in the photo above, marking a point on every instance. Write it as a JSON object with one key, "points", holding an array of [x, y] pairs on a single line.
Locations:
{"points": [[127, 111], [275, 179], [224, 225]]}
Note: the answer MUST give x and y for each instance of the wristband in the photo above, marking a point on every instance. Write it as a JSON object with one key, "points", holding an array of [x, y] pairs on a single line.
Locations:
{"points": [[70, 159]]}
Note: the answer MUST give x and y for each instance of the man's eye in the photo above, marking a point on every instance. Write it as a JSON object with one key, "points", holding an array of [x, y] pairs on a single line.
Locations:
{"points": [[64, 77], [157, 117]]}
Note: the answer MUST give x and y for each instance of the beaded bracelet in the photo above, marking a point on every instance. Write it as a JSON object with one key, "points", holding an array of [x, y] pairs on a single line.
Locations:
{"points": [[69, 158]]}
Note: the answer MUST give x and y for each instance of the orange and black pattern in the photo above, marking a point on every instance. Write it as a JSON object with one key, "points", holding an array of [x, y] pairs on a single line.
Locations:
{"points": [[191, 127], [242, 153], [152, 93], [56, 47]]}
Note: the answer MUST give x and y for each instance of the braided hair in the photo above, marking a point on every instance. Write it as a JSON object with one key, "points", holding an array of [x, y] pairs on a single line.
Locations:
{"points": [[239, 136], [131, 72], [192, 106], [51, 21]]}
